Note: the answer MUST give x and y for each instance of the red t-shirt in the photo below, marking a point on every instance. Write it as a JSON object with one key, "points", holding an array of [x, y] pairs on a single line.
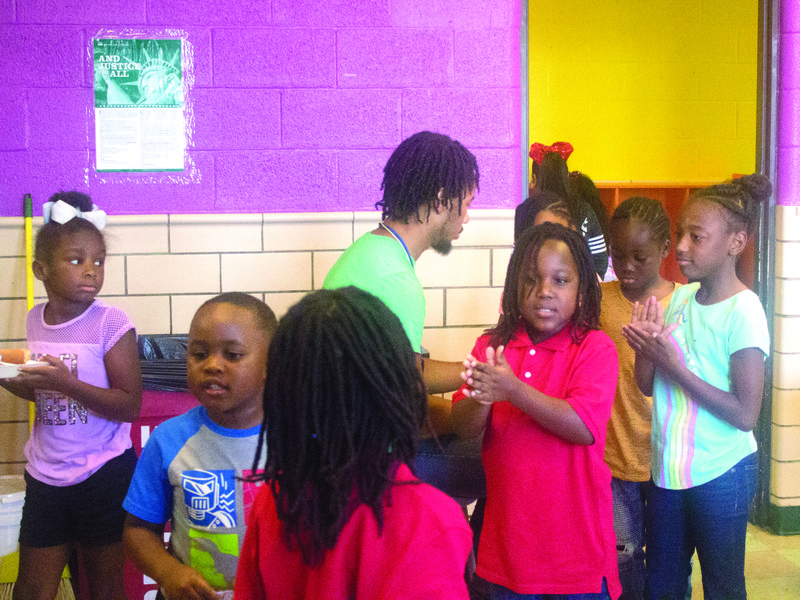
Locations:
{"points": [[421, 553], [548, 527]]}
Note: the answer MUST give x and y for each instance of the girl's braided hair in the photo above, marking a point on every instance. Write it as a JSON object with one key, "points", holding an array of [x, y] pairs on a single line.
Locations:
{"points": [[525, 213], [740, 198], [526, 251], [647, 211], [343, 405]]}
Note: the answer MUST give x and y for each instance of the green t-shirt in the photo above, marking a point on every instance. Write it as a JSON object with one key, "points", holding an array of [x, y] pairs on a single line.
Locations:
{"points": [[380, 266]]}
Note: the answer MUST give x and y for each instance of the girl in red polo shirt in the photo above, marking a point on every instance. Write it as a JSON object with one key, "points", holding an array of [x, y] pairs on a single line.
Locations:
{"points": [[341, 515], [539, 387]]}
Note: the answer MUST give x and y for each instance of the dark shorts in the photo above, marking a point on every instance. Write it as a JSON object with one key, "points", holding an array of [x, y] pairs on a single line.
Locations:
{"points": [[89, 513]]}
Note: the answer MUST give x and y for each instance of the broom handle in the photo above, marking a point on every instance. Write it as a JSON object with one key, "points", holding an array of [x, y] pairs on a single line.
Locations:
{"points": [[29, 247], [28, 202]]}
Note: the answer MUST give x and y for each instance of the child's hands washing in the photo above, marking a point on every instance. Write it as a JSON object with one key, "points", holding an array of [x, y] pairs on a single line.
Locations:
{"points": [[490, 381], [647, 335]]}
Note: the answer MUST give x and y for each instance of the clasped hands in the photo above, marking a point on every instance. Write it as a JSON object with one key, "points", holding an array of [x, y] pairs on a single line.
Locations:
{"points": [[491, 381], [647, 335]]}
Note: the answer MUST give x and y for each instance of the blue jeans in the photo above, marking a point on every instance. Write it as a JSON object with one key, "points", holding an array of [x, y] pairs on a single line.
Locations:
{"points": [[452, 465], [711, 518], [629, 504], [502, 593]]}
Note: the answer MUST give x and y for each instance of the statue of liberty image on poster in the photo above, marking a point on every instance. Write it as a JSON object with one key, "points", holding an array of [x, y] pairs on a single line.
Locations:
{"points": [[139, 72]]}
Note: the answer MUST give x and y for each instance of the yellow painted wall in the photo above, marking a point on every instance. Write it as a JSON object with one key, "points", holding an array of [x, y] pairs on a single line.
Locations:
{"points": [[648, 90]]}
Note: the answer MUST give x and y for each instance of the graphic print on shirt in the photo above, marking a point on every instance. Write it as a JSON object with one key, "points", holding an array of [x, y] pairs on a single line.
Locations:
{"points": [[210, 498], [681, 411], [215, 556], [54, 408]]}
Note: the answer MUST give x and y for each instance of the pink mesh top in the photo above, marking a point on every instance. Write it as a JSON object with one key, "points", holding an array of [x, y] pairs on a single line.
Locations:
{"points": [[69, 442]]}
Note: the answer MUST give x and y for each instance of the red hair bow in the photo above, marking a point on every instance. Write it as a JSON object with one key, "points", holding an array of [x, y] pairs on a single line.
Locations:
{"points": [[539, 150]]}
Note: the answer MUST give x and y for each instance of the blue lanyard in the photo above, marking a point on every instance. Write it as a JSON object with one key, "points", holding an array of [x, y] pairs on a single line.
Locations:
{"points": [[396, 236]]}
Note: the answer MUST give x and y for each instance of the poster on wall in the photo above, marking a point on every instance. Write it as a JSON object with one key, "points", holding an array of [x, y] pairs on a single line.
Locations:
{"points": [[138, 105]]}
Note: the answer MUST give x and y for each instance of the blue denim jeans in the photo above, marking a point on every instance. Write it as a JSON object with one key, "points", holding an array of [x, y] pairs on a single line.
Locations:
{"points": [[452, 465], [502, 593], [711, 518], [630, 498]]}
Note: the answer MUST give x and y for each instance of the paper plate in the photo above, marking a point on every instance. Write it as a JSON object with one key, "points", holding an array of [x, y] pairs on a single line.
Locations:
{"points": [[8, 370]]}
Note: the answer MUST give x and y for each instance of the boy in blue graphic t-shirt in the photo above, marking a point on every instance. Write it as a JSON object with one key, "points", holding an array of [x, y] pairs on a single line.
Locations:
{"points": [[191, 467]]}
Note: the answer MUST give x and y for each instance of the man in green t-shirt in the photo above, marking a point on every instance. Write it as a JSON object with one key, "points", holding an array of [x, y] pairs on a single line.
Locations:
{"points": [[428, 185]]}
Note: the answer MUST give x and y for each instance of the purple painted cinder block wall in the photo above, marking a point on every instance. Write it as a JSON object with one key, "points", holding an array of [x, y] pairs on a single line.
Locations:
{"points": [[297, 103], [789, 116]]}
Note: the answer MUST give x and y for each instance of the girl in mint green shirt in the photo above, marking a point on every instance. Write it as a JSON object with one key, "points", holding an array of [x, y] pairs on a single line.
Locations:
{"points": [[703, 363]]}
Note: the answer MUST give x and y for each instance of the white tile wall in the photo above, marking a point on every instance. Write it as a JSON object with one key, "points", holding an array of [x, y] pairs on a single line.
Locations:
{"points": [[12, 408], [215, 233], [137, 234], [451, 343], [787, 334], [282, 302], [183, 309], [161, 268], [308, 231], [787, 259], [150, 314], [785, 472], [786, 371], [500, 260], [12, 235], [784, 483], [786, 408], [787, 297], [784, 443], [266, 271], [13, 282], [462, 267], [12, 320], [787, 223], [434, 307], [173, 274], [472, 306]]}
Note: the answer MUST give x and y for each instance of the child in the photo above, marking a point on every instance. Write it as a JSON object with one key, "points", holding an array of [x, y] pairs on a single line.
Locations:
{"points": [[537, 154], [541, 385], [584, 197], [80, 457], [704, 367], [639, 242], [538, 208], [191, 467], [342, 515], [549, 173]]}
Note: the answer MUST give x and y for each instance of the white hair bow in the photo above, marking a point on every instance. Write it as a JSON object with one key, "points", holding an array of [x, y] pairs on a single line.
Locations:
{"points": [[61, 212]]}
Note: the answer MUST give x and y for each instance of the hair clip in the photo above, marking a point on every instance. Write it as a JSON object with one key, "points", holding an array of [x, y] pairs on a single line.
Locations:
{"points": [[539, 150], [61, 213]]}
